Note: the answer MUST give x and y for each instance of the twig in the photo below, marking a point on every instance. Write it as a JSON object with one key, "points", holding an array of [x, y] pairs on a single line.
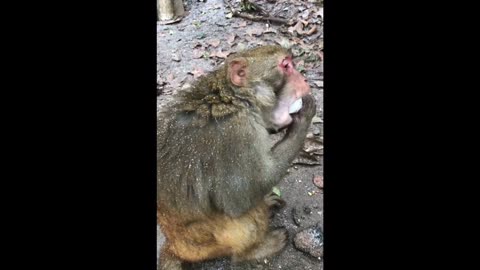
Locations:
{"points": [[240, 14], [262, 18]]}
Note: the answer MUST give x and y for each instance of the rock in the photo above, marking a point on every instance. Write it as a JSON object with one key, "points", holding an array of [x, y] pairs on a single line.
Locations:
{"points": [[318, 181], [175, 57], [310, 241]]}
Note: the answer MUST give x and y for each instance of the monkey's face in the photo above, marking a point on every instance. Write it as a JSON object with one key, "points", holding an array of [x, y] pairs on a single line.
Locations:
{"points": [[270, 72], [293, 88]]}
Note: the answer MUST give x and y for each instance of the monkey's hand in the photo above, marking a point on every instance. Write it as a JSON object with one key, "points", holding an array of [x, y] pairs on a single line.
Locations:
{"points": [[304, 116], [288, 148]]}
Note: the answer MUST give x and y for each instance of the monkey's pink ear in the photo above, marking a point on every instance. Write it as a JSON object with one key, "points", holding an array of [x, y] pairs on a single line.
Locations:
{"points": [[238, 71]]}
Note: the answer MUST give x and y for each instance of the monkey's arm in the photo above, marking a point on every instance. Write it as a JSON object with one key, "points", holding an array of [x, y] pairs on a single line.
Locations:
{"points": [[288, 148]]}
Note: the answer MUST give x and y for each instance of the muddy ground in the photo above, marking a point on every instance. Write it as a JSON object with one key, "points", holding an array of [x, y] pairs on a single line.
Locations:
{"points": [[199, 43]]}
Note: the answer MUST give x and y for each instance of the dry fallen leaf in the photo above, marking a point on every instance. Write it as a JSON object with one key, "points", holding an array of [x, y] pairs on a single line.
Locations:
{"points": [[306, 14], [177, 82], [214, 42], [305, 158], [284, 42], [297, 27], [198, 44], [312, 30], [318, 83], [300, 64], [231, 38], [197, 72], [198, 53], [250, 39], [220, 54], [241, 47], [313, 146], [305, 23], [320, 54], [257, 31], [270, 30]]}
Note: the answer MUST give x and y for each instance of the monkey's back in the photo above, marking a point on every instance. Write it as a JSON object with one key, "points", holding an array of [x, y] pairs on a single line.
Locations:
{"points": [[210, 168]]}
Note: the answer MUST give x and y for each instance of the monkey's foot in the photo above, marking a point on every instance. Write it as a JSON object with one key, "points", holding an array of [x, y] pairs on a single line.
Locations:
{"points": [[273, 243], [169, 262], [274, 201]]}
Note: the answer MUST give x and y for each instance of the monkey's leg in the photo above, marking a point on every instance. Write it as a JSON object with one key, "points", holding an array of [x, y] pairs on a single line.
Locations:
{"points": [[273, 243], [248, 236], [193, 246]]}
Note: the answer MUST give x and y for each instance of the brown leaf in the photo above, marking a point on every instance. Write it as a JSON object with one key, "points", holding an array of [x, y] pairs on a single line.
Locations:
{"points": [[313, 146], [312, 30], [241, 47], [318, 181], [300, 63], [198, 44], [284, 42], [320, 54], [305, 23], [318, 83], [198, 53], [197, 72], [305, 158], [298, 41], [214, 42], [250, 39], [319, 12], [306, 14], [257, 31], [220, 54], [270, 30], [177, 82], [231, 38], [297, 27]]}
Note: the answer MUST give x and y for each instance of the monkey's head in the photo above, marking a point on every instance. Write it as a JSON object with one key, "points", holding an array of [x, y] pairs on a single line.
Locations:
{"points": [[268, 74]]}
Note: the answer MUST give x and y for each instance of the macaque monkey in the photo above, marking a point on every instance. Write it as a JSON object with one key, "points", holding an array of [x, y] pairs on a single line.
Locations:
{"points": [[217, 164]]}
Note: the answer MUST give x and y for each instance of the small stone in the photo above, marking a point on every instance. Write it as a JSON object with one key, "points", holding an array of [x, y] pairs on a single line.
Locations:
{"points": [[310, 241], [175, 57], [318, 181]]}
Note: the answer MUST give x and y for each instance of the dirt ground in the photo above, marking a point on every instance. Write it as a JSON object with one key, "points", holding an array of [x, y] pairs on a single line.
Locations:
{"points": [[199, 43]]}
